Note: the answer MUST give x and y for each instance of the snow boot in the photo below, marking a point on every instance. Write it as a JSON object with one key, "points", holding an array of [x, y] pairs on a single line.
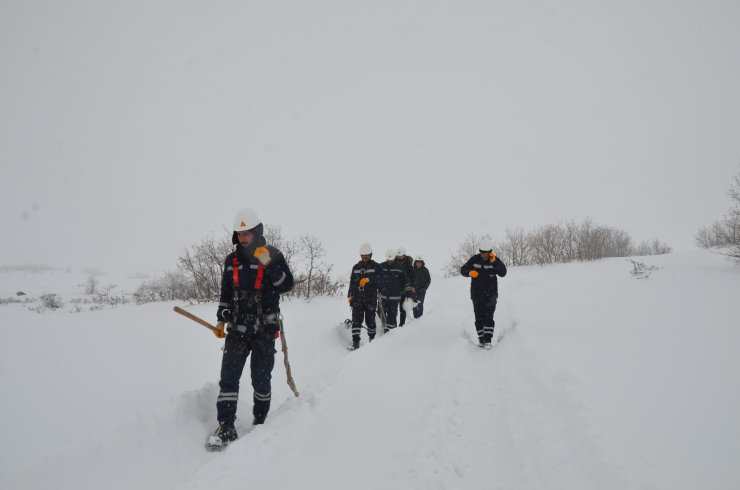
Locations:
{"points": [[259, 419], [222, 436]]}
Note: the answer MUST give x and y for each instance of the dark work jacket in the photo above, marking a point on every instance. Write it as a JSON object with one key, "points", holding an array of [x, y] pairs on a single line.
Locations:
{"points": [[407, 264], [485, 285], [276, 279], [370, 270], [393, 281], [423, 279]]}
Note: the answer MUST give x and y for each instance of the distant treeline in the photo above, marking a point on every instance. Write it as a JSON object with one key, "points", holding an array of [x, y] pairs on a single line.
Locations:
{"points": [[556, 243], [723, 236], [197, 277]]}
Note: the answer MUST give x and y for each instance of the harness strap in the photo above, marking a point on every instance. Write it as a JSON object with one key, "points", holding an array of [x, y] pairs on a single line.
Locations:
{"points": [[235, 262], [260, 275]]}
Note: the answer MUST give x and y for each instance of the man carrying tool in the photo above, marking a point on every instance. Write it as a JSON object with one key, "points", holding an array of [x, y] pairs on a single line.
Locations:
{"points": [[363, 294], [255, 274]]}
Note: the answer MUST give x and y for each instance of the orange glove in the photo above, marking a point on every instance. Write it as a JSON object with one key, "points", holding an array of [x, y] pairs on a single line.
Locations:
{"points": [[263, 255], [364, 281], [492, 257], [349, 299], [219, 332], [473, 274]]}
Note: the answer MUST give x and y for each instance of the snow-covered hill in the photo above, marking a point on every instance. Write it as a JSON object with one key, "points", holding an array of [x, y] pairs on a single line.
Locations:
{"points": [[599, 380]]}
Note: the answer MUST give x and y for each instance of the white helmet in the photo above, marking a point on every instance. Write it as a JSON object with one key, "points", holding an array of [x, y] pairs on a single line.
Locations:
{"points": [[246, 219], [401, 251], [419, 258], [366, 249], [390, 254], [485, 245]]}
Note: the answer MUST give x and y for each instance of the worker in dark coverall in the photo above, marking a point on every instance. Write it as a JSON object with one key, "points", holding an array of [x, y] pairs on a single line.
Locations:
{"points": [[255, 274]]}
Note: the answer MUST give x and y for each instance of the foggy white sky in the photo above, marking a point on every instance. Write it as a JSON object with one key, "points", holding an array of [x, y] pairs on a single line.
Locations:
{"points": [[131, 131]]}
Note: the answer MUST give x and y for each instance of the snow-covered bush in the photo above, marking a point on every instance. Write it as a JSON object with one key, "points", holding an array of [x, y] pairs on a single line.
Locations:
{"points": [[51, 301], [641, 270], [723, 236], [19, 300], [46, 302]]}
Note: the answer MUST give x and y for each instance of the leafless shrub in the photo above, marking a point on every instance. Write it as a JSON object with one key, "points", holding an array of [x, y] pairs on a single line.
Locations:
{"points": [[641, 270], [105, 296], [516, 247], [12, 301], [51, 301], [654, 247], [202, 266], [312, 276], [723, 236], [556, 243], [548, 244], [200, 269], [465, 249], [170, 287], [92, 284]]}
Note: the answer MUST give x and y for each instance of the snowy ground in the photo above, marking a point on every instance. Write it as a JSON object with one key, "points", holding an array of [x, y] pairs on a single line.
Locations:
{"points": [[599, 380]]}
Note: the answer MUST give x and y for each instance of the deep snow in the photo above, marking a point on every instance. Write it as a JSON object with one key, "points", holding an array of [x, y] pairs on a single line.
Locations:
{"points": [[599, 380]]}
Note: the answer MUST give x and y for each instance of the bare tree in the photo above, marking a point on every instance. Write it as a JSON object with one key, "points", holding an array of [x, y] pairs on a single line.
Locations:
{"points": [[172, 286], [732, 219], [203, 265], [724, 235], [548, 244], [324, 285], [289, 248], [653, 247], [557, 243], [274, 236], [312, 250], [570, 241], [290, 252], [620, 244], [92, 284], [466, 249], [516, 247]]}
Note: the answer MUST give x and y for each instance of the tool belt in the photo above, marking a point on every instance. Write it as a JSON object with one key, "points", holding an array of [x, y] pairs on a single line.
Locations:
{"points": [[251, 322]]}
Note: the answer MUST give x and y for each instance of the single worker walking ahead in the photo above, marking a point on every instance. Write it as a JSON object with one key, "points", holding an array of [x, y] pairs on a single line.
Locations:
{"points": [[484, 270], [255, 275]]}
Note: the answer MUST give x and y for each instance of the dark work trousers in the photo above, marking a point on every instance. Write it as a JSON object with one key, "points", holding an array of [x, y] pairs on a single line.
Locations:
{"points": [[402, 312], [363, 309], [484, 309], [402, 321], [236, 349], [390, 306], [419, 308]]}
